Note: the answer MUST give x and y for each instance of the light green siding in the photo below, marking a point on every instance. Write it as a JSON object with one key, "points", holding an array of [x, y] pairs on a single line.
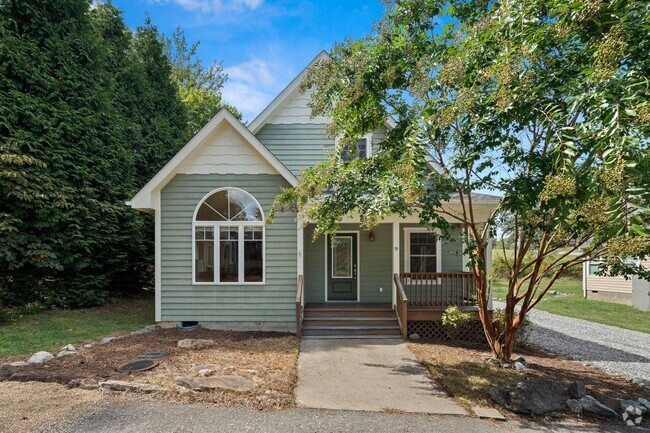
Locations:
{"points": [[375, 264], [452, 250], [273, 302], [297, 146]]}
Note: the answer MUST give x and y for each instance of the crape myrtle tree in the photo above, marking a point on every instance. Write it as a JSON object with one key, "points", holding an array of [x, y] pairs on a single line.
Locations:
{"points": [[543, 102]]}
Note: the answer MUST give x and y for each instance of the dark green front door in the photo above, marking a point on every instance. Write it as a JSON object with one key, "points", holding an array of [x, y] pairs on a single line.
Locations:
{"points": [[342, 267]]}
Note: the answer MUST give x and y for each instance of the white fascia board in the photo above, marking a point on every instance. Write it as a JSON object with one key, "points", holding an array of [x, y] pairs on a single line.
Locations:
{"points": [[266, 114], [144, 199]]}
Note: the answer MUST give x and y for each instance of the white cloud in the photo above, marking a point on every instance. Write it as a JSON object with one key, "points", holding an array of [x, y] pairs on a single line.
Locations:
{"points": [[253, 84], [211, 6]]}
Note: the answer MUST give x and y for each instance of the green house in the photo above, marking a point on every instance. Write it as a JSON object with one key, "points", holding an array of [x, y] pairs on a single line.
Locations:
{"points": [[219, 263]]}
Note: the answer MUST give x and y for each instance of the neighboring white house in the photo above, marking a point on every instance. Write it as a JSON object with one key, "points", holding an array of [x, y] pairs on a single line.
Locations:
{"points": [[630, 291]]}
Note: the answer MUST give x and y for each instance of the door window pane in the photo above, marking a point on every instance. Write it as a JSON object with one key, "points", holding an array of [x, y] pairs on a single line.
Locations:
{"points": [[204, 254], [228, 255], [342, 257]]}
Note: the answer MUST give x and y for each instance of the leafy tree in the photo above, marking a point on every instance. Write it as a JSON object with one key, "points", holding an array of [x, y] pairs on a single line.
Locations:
{"points": [[543, 101], [88, 113], [199, 86]]}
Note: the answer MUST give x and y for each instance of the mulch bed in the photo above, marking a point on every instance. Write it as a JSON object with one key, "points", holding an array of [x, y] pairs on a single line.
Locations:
{"points": [[267, 358], [462, 370]]}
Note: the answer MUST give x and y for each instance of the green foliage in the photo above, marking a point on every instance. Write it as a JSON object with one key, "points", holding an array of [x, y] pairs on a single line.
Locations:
{"points": [[199, 86], [501, 268], [89, 112], [454, 318], [545, 102]]}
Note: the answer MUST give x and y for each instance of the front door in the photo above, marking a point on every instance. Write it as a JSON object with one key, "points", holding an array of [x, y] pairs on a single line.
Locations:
{"points": [[342, 267]]}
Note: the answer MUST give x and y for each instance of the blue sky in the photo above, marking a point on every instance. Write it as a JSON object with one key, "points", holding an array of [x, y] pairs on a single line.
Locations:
{"points": [[263, 44]]}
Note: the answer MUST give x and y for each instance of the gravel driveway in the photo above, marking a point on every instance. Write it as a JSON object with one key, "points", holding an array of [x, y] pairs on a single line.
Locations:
{"points": [[617, 350]]}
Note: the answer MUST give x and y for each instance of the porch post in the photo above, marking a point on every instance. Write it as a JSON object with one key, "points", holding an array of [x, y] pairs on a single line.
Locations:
{"points": [[488, 270], [300, 265], [395, 251]]}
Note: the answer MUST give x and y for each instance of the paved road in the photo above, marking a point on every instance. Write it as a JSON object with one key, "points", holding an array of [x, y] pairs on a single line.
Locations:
{"points": [[372, 375], [617, 350], [158, 417]]}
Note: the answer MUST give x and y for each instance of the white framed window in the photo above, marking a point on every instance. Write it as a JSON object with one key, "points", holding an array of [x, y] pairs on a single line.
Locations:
{"points": [[422, 250], [228, 242], [362, 149]]}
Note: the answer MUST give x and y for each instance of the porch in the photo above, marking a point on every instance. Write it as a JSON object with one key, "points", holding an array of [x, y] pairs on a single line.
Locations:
{"points": [[405, 270], [421, 297]]}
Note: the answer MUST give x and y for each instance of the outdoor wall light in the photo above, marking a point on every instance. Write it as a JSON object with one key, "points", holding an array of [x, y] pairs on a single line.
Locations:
{"points": [[371, 236]]}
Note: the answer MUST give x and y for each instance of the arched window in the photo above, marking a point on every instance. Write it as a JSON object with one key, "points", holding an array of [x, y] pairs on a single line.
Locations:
{"points": [[228, 239]]}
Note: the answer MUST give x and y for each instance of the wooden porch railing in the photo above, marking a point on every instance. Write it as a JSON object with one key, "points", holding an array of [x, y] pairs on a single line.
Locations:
{"points": [[440, 289], [402, 306], [299, 305]]}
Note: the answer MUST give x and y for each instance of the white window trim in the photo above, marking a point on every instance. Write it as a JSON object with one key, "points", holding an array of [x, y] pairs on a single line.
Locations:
{"points": [[368, 138], [407, 247], [351, 274], [217, 239]]}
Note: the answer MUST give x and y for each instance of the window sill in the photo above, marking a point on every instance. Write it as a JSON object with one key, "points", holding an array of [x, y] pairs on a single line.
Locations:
{"points": [[257, 283]]}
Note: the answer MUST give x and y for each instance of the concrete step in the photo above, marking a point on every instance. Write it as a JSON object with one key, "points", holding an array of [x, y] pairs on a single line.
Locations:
{"points": [[349, 321], [328, 312], [352, 337], [350, 330]]}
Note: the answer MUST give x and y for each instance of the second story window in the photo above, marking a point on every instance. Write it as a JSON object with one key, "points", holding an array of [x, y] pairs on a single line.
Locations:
{"points": [[362, 149]]}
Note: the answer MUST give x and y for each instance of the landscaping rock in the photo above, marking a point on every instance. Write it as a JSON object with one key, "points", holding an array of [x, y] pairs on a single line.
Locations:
{"points": [[6, 371], [642, 401], [197, 369], [591, 405], [232, 383], [632, 407], [574, 406], [414, 337], [40, 358], [641, 381], [145, 330], [67, 350], [520, 366], [577, 390], [19, 364], [121, 386], [531, 396], [521, 360], [84, 383], [89, 345], [61, 378], [107, 340], [493, 361], [195, 344]]}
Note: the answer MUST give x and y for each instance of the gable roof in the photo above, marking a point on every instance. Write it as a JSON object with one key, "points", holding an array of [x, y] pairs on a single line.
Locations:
{"points": [[143, 200], [279, 100]]}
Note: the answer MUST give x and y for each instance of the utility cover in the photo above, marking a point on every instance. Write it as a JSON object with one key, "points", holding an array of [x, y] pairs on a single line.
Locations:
{"points": [[142, 365]]}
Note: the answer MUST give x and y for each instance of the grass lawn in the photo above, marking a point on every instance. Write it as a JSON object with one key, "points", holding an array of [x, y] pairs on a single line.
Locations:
{"points": [[52, 329], [574, 305]]}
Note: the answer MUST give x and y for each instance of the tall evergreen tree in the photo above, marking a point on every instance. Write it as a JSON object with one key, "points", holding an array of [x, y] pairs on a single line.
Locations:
{"points": [[88, 113]]}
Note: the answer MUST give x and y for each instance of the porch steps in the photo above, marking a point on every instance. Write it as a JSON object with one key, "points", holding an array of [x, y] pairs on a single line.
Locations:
{"points": [[349, 321]]}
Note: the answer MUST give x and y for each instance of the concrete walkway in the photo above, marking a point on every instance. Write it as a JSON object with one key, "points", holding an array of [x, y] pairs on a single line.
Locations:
{"points": [[368, 375]]}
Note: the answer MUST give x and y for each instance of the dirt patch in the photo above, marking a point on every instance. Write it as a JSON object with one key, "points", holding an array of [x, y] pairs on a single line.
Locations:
{"points": [[463, 372], [26, 406], [268, 359]]}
